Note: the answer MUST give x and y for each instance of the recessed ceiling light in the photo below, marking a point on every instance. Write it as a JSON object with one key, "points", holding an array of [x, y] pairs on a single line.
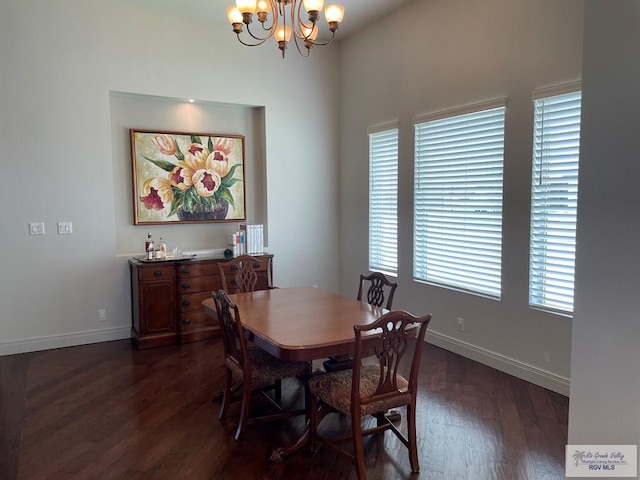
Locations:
{"points": [[191, 100]]}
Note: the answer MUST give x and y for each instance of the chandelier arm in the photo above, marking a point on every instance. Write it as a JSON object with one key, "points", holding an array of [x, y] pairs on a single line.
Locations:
{"points": [[300, 51], [262, 39], [321, 44], [260, 42], [275, 13], [295, 15], [300, 24]]}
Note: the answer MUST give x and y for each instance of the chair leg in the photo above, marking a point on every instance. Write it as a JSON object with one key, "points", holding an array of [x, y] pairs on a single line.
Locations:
{"points": [[307, 400], [217, 397], [312, 409], [413, 442], [244, 410], [277, 393], [358, 450], [226, 393]]}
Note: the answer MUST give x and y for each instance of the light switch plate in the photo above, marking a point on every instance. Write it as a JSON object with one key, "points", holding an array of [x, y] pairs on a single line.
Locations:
{"points": [[64, 228], [36, 228]]}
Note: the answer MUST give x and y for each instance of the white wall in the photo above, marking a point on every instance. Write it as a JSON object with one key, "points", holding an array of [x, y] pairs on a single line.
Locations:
{"points": [[60, 61], [605, 385], [450, 54]]}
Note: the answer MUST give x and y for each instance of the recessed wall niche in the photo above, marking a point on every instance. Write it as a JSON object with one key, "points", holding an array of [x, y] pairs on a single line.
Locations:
{"points": [[147, 112]]}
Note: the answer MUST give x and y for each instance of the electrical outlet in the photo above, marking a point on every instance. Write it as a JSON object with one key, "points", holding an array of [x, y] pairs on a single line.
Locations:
{"points": [[460, 324], [547, 357], [102, 315]]}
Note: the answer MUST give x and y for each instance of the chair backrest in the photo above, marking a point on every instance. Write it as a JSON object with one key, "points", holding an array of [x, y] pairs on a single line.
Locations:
{"points": [[390, 345], [233, 340], [378, 283], [241, 273]]}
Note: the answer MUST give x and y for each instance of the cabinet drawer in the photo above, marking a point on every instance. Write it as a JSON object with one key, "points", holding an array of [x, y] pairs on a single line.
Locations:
{"points": [[155, 272], [192, 301], [196, 319], [199, 284], [188, 270]]}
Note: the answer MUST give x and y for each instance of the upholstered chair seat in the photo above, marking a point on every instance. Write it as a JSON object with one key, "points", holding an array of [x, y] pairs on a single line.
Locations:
{"points": [[334, 389], [266, 369]]}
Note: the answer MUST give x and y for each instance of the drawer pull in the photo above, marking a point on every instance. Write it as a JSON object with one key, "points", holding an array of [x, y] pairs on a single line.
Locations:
{"points": [[157, 273], [186, 321], [184, 271], [186, 286], [186, 303]]}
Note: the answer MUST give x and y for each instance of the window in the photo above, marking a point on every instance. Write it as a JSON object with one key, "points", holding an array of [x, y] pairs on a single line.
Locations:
{"points": [[383, 200], [554, 200], [459, 158]]}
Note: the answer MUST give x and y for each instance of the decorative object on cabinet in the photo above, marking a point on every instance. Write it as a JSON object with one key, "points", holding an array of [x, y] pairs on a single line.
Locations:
{"points": [[187, 177], [166, 298]]}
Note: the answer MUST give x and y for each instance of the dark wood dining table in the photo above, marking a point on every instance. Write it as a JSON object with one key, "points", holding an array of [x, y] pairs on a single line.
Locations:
{"points": [[300, 324]]}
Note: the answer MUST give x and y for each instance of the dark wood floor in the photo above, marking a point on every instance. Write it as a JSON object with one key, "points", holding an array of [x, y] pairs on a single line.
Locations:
{"points": [[107, 411]]}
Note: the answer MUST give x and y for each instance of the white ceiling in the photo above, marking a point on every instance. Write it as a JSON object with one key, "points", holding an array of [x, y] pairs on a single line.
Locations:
{"points": [[357, 12]]}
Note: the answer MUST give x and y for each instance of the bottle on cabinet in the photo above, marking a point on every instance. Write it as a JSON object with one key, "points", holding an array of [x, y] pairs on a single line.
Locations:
{"points": [[151, 247], [163, 248], [146, 244]]}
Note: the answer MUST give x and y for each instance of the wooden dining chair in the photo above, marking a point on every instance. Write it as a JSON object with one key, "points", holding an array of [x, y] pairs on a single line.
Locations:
{"points": [[372, 389], [245, 273], [241, 274], [250, 367], [378, 288]]}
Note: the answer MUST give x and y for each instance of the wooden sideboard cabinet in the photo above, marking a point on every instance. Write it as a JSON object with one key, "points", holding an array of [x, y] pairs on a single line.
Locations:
{"points": [[166, 298]]}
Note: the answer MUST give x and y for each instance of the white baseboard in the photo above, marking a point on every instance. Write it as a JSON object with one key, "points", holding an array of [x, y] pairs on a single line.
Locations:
{"points": [[501, 362], [495, 360], [64, 340]]}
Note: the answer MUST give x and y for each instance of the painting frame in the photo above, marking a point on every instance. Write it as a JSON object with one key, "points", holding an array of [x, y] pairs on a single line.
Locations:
{"points": [[184, 177]]}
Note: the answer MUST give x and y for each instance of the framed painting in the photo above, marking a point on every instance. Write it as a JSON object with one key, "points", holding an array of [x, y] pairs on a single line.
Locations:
{"points": [[187, 177]]}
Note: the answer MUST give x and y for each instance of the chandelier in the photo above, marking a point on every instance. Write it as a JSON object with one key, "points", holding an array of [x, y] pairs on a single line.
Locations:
{"points": [[281, 20]]}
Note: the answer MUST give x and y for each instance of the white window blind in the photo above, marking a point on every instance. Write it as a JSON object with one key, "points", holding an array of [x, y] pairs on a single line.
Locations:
{"points": [[383, 201], [458, 199], [554, 201]]}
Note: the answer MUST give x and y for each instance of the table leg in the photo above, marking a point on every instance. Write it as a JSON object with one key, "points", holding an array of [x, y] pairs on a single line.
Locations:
{"points": [[279, 454]]}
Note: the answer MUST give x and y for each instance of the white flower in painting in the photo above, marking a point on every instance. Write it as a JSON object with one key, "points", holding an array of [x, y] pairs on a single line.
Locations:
{"points": [[196, 156], [206, 182]]}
